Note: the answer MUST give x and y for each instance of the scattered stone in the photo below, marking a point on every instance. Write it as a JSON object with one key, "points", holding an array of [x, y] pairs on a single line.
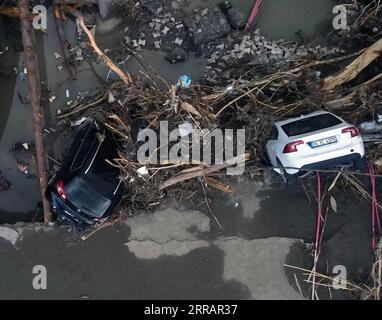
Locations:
{"points": [[165, 30], [158, 26], [178, 41], [142, 42]]}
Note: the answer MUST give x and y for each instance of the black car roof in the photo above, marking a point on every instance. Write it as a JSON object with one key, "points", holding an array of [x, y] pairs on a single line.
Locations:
{"points": [[94, 169]]}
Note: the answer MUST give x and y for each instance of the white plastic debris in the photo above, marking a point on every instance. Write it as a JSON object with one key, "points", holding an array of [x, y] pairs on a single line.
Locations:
{"points": [[111, 98], [78, 122], [57, 55], [185, 129], [143, 172], [236, 205], [52, 98], [25, 71], [67, 93], [26, 146], [229, 88], [60, 67]]}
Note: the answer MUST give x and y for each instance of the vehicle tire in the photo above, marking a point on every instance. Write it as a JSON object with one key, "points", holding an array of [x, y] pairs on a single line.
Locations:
{"points": [[289, 179], [80, 228]]}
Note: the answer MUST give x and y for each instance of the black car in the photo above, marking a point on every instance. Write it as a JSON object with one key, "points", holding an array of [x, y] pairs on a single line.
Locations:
{"points": [[86, 189]]}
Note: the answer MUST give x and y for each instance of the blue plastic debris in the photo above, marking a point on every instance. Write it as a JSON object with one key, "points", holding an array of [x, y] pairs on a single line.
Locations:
{"points": [[184, 82]]}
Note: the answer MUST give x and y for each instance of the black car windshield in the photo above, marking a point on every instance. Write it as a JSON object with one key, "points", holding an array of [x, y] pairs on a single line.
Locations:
{"points": [[311, 124], [85, 198]]}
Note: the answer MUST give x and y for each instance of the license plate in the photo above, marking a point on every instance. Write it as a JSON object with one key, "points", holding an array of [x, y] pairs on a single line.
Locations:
{"points": [[322, 142]]}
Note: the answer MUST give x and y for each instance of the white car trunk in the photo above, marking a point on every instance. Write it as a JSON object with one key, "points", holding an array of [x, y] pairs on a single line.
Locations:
{"points": [[324, 140]]}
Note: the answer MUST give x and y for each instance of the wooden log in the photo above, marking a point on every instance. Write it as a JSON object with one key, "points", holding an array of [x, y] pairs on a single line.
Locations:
{"points": [[202, 172], [218, 185], [354, 68], [34, 97], [80, 21]]}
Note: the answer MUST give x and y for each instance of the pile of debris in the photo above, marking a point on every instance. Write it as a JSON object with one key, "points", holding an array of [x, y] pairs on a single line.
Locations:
{"points": [[250, 104]]}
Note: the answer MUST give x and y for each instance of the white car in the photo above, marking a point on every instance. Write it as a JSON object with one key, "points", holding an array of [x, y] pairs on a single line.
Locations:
{"points": [[314, 141]]}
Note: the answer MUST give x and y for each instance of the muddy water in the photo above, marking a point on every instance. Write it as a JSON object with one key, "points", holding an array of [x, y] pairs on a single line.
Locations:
{"points": [[277, 18], [283, 18]]}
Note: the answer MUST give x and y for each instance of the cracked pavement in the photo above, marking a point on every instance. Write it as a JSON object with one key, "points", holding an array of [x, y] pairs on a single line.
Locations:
{"points": [[171, 254]]}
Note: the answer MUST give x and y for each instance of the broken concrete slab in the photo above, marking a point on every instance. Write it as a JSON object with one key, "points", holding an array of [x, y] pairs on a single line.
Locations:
{"points": [[236, 18], [212, 26]]}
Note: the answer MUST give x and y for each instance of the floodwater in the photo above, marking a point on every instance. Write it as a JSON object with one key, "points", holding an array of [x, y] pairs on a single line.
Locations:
{"points": [[284, 18], [276, 19]]}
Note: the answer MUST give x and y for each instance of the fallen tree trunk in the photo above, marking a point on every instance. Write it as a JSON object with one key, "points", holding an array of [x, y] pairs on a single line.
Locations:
{"points": [[353, 69], [34, 97], [80, 20]]}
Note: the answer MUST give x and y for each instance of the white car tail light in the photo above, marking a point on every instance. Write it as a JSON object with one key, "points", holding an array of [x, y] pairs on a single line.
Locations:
{"points": [[352, 130], [292, 147]]}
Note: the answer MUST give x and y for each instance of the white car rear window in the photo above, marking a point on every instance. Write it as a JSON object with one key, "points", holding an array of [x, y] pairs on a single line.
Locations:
{"points": [[311, 124]]}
